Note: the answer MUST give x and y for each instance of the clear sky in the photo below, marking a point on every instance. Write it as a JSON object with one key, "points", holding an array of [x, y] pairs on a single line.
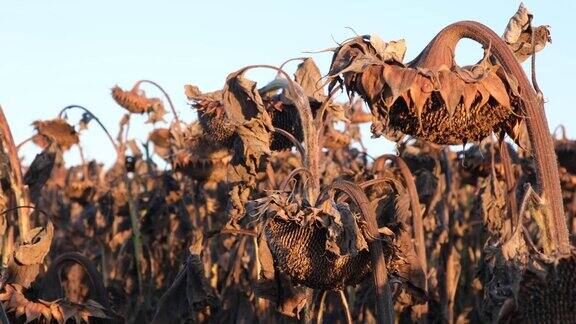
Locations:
{"points": [[56, 53]]}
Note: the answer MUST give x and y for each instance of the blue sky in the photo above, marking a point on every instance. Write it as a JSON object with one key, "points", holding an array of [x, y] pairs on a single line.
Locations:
{"points": [[56, 53]]}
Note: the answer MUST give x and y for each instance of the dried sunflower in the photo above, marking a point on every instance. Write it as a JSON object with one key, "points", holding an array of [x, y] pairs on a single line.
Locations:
{"points": [[428, 98], [546, 293], [211, 114], [432, 98], [135, 101], [55, 130], [566, 151], [197, 155]]}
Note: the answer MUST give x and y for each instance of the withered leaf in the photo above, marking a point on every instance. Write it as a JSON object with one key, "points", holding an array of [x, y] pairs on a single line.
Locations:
{"points": [[46, 311], [242, 99], [34, 248], [192, 92], [40, 171], [189, 291], [517, 24], [391, 51], [161, 139], [245, 110], [266, 260], [27, 258], [519, 32], [309, 78]]}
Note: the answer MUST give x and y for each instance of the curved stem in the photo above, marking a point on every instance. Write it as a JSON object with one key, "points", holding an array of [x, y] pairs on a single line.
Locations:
{"points": [[137, 84], [533, 69], [292, 139], [93, 116], [29, 139], [302, 58], [97, 290], [26, 207], [440, 52], [512, 200], [311, 162], [417, 223], [562, 130], [9, 152], [291, 175], [322, 109], [384, 305]]}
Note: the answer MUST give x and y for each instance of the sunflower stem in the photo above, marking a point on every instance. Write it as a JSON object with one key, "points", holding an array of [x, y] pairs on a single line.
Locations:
{"points": [[136, 234], [93, 116], [384, 303], [15, 176], [417, 223]]}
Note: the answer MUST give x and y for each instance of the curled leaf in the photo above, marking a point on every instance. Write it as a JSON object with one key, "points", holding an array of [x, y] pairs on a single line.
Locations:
{"points": [[519, 33], [30, 254], [309, 78]]}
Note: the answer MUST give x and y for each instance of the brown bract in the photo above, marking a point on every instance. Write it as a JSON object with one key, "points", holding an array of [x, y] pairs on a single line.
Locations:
{"points": [[190, 291], [55, 130]]}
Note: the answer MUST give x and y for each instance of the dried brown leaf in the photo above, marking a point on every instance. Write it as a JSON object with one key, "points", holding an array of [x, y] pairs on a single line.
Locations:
{"points": [[391, 51], [189, 291], [40, 171], [519, 32], [309, 78]]}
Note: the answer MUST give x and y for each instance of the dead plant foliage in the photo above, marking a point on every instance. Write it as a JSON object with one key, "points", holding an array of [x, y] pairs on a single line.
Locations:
{"points": [[268, 208]]}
